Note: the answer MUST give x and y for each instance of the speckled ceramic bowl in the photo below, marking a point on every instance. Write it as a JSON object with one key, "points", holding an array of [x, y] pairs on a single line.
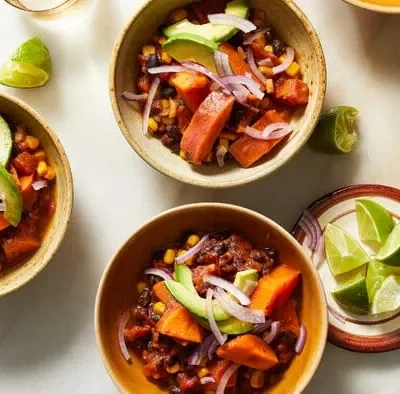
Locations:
{"points": [[386, 6], [14, 278], [117, 290], [292, 25]]}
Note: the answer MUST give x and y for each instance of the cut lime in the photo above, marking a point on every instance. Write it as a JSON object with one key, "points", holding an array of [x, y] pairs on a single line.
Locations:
{"points": [[335, 132], [390, 252], [376, 274], [375, 223], [6, 142], [352, 295], [28, 67], [342, 251], [387, 298]]}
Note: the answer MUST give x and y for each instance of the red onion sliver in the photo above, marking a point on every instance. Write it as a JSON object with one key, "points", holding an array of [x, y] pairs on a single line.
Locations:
{"points": [[202, 350], [306, 227], [244, 314], [134, 97], [212, 349], [166, 69], [149, 103], [191, 252], [301, 340], [218, 63], [229, 287], [226, 377], [206, 72], [251, 108], [254, 36], [226, 65], [231, 20], [38, 185], [266, 62], [253, 86], [260, 328], [207, 379], [271, 132], [121, 337], [290, 55], [210, 316], [310, 224], [319, 251], [270, 336], [159, 272], [254, 67], [221, 153]]}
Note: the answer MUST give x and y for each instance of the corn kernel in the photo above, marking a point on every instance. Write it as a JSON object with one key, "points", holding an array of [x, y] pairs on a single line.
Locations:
{"points": [[168, 121], [269, 48], [257, 379], [41, 168], [32, 142], [140, 287], [159, 308], [203, 372], [165, 58], [293, 70], [147, 50], [153, 125], [40, 155], [169, 256], [270, 86], [165, 103], [50, 174], [174, 369], [177, 15], [182, 154], [192, 240], [266, 70], [172, 108], [162, 40]]}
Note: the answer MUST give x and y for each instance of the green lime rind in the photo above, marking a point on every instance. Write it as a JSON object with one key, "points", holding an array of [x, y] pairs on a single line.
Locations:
{"points": [[6, 142], [22, 75], [343, 252], [376, 274], [12, 197], [375, 223], [352, 295], [387, 297], [335, 131], [390, 251]]}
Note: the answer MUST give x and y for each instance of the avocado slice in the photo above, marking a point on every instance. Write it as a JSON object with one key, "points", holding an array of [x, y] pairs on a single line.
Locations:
{"points": [[184, 276], [6, 142], [12, 197], [217, 33], [190, 47]]}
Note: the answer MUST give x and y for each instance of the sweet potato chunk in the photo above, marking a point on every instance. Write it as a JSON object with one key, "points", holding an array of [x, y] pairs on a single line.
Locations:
{"points": [[247, 150], [18, 247], [274, 289], [25, 163], [177, 322], [3, 222], [217, 368], [131, 334], [287, 316], [29, 194], [163, 294], [192, 87], [292, 92], [249, 350], [206, 125]]}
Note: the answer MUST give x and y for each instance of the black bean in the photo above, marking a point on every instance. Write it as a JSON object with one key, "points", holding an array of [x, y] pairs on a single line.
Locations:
{"points": [[269, 34], [152, 61], [167, 91], [278, 47], [145, 298], [174, 133], [174, 390]]}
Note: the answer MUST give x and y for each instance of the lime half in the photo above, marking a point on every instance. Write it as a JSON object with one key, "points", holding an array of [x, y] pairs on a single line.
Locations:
{"points": [[343, 252], [387, 298], [28, 67], [375, 223], [335, 132], [6, 142], [390, 252], [352, 295]]}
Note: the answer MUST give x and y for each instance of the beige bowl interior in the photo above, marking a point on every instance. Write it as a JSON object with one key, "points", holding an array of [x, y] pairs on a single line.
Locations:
{"points": [[387, 6], [22, 273], [292, 26], [117, 290]]}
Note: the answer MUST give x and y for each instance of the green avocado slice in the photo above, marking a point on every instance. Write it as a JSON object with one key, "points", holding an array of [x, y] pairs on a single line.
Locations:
{"points": [[12, 197], [6, 142]]}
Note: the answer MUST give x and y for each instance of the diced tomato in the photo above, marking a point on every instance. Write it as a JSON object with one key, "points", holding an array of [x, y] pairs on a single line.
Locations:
{"points": [[25, 163], [292, 92]]}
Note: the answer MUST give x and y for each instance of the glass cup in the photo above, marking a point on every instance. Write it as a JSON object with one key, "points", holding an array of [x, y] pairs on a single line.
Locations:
{"points": [[41, 6]]}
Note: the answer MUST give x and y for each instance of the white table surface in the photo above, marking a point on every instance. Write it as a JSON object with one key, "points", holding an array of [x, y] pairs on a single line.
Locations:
{"points": [[47, 342]]}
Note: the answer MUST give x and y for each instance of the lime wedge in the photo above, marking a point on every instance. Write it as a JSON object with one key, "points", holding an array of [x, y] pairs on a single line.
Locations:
{"points": [[6, 142], [335, 132], [390, 252], [28, 67], [375, 223], [387, 298], [376, 274], [343, 252], [352, 295]]}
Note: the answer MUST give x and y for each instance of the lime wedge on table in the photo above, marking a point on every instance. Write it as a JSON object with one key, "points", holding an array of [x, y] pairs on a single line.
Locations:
{"points": [[376, 274], [352, 295], [375, 223], [390, 252], [387, 298], [6, 142], [335, 132], [29, 66], [343, 252]]}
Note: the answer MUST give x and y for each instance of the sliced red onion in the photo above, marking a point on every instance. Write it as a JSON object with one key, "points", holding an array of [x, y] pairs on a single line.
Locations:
{"points": [[191, 252], [301, 340], [210, 316], [310, 225], [270, 336], [121, 337], [307, 228], [251, 108], [218, 63], [229, 287], [201, 351], [166, 69], [207, 379], [38, 185], [254, 36], [231, 20], [260, 328], [226, 377], [273, 131], [134, 97], [319, 254], [226, 65], [240, 97], [149, 103], [2, 207], [221, 153], [244, 314], [253, 86], [254, 67], [159, 272], [213, 347], [266, 62], [290, 55], [206, 72], [249, 287]]}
